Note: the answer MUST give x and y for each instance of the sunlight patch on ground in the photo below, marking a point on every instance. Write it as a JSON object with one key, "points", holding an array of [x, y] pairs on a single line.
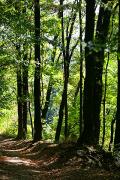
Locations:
{"points": [[17, 160]]}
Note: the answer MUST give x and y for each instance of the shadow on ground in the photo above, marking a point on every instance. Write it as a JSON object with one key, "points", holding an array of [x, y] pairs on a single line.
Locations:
{"points": [[43, 160]]}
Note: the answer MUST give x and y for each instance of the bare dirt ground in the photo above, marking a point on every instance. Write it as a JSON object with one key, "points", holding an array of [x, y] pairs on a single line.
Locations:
{"points": [[22, 160]]}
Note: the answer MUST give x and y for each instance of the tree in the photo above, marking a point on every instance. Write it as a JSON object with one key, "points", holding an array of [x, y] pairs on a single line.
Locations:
{"points": [[25, 91], [94, 58], [37, 86], [22, 75], [19, 76], [67, 55], [50, 84], [19, 95], [89, 78]]}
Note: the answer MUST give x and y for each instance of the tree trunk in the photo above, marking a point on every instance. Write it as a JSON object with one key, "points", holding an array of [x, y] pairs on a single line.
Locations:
{"points": [[94, 68], [37, 89], [101, 37], [88, 134], [67, 57], [66, 76], [19, 95], [25, 94], [44, 111], [59, 125], [63, 101]]}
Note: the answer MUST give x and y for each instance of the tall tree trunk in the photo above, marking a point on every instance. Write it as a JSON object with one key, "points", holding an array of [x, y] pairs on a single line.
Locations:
{"points": [[66, 77], [88, 107], [19, 95], [37, 87], [63, 104], [66, 70], [101, 37], [25, 93], [94, 68], [64, 95], [67, 57], [19, 77], [117, 130]]}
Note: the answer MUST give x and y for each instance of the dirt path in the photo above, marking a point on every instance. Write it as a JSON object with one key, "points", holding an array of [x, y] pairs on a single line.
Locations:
{"points": [[14, 164], [25, 161]]}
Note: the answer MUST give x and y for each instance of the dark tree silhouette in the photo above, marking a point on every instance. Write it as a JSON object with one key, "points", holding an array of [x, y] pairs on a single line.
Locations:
{"points": [[37, 89]]}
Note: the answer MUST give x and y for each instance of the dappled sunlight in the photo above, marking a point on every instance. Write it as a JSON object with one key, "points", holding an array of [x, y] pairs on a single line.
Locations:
{"points": [[17, 161], [44, 160]]}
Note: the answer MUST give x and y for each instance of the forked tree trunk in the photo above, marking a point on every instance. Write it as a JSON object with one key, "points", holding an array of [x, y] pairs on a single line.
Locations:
{"points": [[94, 69], [88, 134], [66, 57]]}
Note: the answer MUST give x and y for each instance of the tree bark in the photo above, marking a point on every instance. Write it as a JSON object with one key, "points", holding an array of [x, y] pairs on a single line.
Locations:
{"points": [[94, 68], [25, 93], [88, 134], [19, 95], [37, 89]]}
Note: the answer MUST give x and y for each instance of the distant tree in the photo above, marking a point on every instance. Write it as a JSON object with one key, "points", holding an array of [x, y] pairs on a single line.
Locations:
{"points": [[67, 55], [19, 94], [18, 46], [22, 75], [50, 84]]}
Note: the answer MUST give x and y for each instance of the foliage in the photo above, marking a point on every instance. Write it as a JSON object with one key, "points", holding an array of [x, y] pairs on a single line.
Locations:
{"points": [[18, 28]]}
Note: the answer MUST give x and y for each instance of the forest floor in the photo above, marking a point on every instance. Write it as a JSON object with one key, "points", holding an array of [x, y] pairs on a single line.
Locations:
{"points": [[46, 161]]}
